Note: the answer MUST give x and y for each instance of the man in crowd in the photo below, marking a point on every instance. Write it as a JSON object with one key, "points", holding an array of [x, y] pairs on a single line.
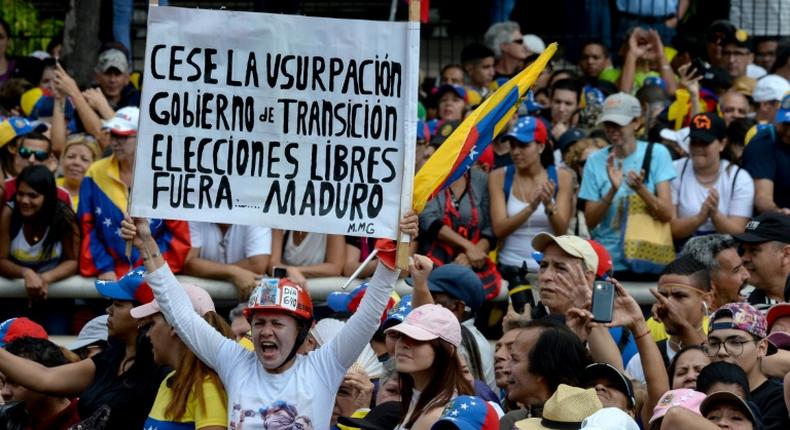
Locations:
{"points": [[32, 149], [478, 63], [719, 254], [767, 159], [765, 51], [45, 411], [737, 335], [766, 254], [104, 194], [768, 94], [594, 59], [236, 253], [544, 355], [733, 105], [507, 43]]}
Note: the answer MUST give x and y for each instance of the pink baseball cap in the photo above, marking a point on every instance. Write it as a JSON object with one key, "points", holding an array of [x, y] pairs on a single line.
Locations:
{"points": [[200, 299], [429, 322], [682, 397]]}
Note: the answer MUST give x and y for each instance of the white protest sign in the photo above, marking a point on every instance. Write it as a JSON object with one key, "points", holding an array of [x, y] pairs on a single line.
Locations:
{"points": [[292, 122]]}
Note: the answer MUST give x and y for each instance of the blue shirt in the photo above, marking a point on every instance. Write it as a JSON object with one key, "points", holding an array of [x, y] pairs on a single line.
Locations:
{"points": [[595, 185], [648, 7], [765, 157]]}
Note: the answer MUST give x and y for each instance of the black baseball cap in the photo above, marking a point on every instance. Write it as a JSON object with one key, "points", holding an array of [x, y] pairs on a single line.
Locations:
{"points": [[706, 127], [610, 373], [385, 416], [766, 227]]}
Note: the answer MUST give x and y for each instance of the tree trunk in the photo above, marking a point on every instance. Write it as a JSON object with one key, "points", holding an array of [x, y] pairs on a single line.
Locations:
{"points": [[81, 39]]}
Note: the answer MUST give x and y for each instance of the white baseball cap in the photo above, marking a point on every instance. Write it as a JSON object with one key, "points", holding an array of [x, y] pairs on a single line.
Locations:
{"points": [[124, 122], [534, 44], [620, 108], [770, 88]]}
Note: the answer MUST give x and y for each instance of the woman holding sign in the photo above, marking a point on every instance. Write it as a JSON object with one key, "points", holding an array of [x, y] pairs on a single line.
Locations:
{"points": [[271, 381]]}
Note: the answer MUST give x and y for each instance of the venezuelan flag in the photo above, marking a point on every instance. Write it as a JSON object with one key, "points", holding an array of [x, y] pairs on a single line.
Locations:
{"points": [[457, 154]]}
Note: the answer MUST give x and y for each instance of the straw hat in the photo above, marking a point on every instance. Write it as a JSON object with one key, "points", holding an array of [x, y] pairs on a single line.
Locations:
{"points": [[565, 409]]}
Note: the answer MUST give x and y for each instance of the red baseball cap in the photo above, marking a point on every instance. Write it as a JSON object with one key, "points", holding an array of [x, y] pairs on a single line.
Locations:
{"points": [[777, 311], [13, 328], [604, 259]]}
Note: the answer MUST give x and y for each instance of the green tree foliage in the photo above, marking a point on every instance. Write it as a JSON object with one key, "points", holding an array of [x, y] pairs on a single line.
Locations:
{"points": [[28, 32]]}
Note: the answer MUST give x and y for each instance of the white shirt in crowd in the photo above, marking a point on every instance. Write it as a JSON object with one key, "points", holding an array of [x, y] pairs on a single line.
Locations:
{"points": [[688, 194], [486, 353], [303, 395], [238, 242]]}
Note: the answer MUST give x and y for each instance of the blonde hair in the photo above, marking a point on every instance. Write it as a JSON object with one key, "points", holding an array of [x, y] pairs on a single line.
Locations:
{"points": [[574, 154], [82, 139]]}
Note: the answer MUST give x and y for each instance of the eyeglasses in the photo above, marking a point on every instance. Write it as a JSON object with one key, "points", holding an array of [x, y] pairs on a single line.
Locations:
{"points": [[733, 346], [27, 152], [518, 41]]}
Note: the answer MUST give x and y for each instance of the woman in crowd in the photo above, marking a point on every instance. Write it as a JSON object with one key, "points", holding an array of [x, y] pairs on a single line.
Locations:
{"points": [[6, 63], [41, 240], [427, 359], [307, 255], [273, 378], [120, 382], [528, 197], [191, 396], [452, 100], [686, 367], [80, 152], [455, 227], [710, 194]]}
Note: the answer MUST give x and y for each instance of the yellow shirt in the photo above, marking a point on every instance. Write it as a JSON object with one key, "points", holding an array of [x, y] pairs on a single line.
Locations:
{"points": [[659, 332], [61, 182], [215, 412]]}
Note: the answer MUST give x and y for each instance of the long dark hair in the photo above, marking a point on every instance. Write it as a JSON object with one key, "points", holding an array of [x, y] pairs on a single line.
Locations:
{"points": [[447, 381], [53, 213]]}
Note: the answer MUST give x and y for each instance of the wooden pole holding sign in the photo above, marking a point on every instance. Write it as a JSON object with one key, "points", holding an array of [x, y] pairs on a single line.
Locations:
{"points": [[128, 251], [413, 43]]}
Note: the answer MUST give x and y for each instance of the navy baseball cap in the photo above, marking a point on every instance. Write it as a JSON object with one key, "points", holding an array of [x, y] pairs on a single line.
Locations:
{"points": [[457, 281], [571, 136], [131, 287]]}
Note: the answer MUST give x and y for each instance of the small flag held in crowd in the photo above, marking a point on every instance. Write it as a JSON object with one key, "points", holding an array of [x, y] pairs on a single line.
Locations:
{"points": [[457, 154]]}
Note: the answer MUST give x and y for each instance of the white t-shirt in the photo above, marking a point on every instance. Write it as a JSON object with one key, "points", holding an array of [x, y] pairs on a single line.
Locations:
{"points": [[258, 399], [238, 243], [486, 353], [688, 194]]}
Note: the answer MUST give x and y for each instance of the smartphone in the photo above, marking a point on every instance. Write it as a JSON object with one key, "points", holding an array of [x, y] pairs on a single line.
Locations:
{"points": [[603, 301], [701, 68], [279, 272]]}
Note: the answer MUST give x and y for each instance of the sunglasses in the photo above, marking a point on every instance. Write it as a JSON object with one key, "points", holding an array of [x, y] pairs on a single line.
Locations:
{"points": [[27, 152], [518, 41]]}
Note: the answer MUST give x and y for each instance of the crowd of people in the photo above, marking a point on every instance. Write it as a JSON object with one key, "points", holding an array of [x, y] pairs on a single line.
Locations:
{"points": [[662, 161]]}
